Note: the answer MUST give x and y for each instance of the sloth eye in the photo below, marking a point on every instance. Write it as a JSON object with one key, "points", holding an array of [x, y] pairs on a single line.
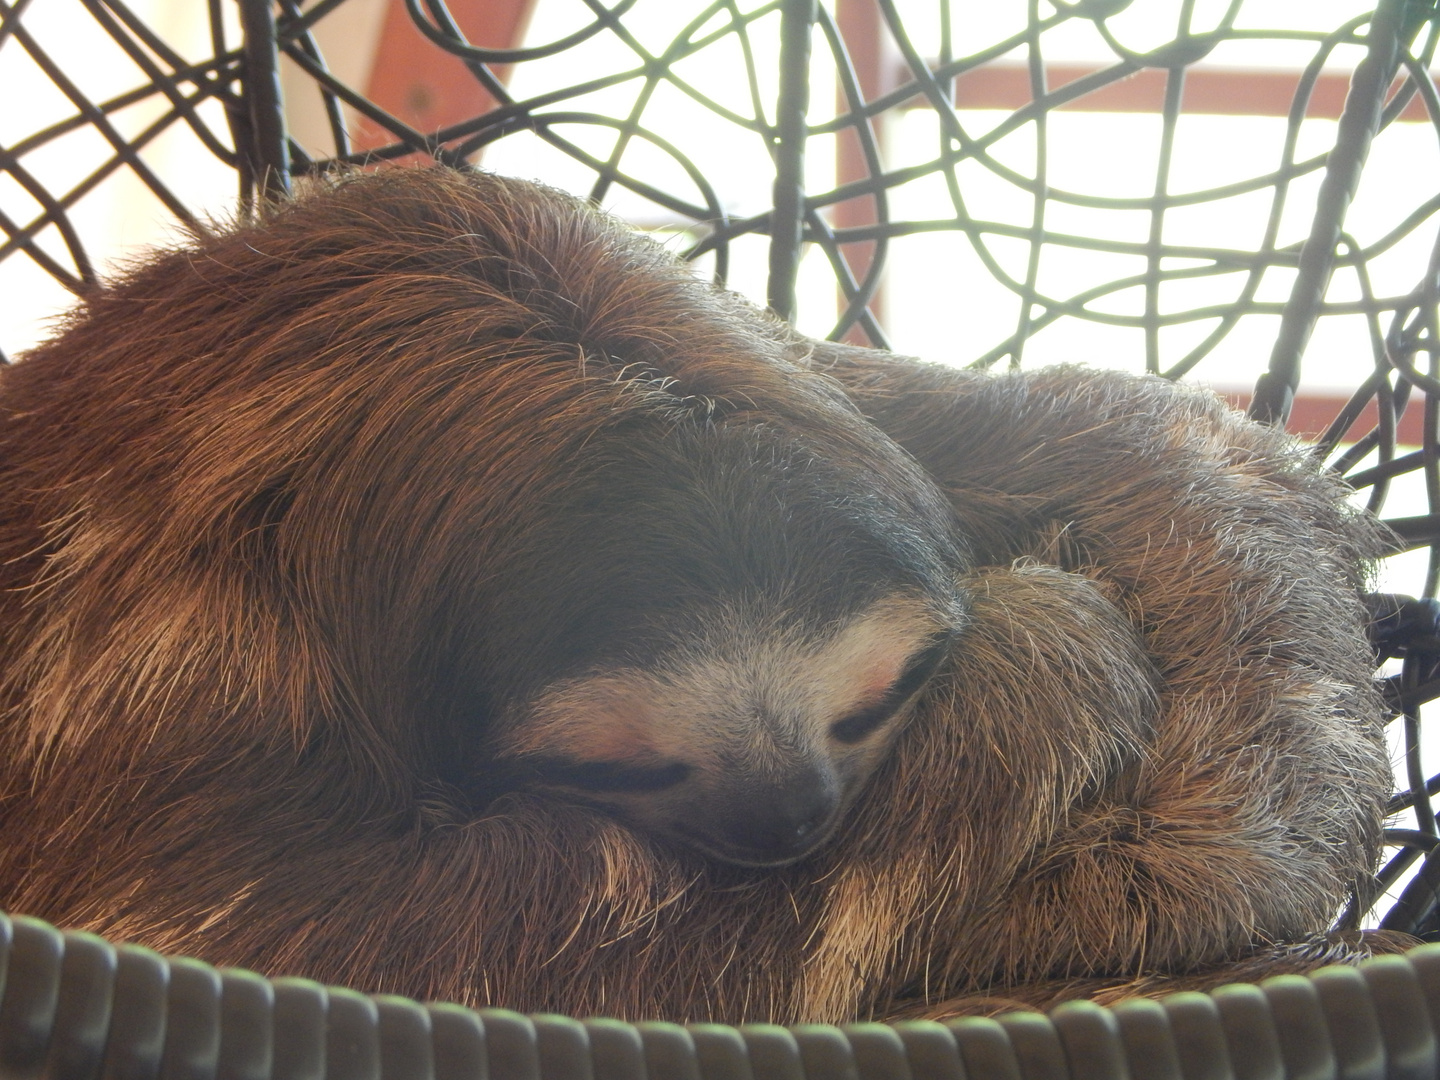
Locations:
{"points": [[615, 776], [921, 667], [858, 725], [863, 723]]}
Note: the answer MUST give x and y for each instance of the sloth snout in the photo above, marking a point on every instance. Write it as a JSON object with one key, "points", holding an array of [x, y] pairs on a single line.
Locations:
{"points": [[781, 823]]}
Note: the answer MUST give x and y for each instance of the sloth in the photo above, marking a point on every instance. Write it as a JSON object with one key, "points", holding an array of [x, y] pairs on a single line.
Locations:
{"points": [[656, 567], [433, 588]]}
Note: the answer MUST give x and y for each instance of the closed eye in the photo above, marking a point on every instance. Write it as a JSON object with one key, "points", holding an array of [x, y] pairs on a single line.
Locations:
{"points": [[612, 776], [863, 723], [859, 725], [920, 668]]}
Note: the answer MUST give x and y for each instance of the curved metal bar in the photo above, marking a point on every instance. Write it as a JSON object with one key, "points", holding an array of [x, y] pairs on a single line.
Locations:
{"points": [[124, 150], [797, 18], [306, 43], [270, 151], [858, 296], [1275, 390], [204, 76]]}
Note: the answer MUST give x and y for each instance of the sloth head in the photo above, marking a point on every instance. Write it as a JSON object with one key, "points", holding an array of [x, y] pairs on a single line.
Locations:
{"points": [[660, 568], [725, 625], [750, 737], [456, 484]]}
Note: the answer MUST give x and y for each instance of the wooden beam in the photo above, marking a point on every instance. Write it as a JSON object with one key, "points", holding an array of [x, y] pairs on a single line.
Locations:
{"points": [[1217, 91], [428, 88], [863, 30], [1313, 412]]}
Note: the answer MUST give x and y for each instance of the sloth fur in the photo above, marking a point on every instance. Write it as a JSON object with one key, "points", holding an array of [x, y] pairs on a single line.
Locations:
{"points": [[263, 506], [442, 480]]}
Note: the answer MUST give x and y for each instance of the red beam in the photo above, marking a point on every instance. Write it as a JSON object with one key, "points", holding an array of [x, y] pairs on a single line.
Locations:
{"points": [[1005, 84], [863, 30], [423, 85], [1312, 414]]}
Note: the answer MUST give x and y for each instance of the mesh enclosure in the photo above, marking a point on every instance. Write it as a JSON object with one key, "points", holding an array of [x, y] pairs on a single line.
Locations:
{"points": [[1054, 180]]}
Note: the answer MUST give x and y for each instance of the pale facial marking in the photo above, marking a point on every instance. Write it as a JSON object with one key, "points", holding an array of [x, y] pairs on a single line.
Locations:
{"points": [[637, 714], [739, 720]]}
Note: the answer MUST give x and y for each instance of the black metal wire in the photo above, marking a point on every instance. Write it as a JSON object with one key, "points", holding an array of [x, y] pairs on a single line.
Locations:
{"points": [[1275, 390], [270, 152], [797, 17]]}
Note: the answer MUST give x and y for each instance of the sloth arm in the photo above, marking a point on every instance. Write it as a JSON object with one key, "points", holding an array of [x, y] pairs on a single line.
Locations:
{"points": [[1020, 451], [1259, 798]]}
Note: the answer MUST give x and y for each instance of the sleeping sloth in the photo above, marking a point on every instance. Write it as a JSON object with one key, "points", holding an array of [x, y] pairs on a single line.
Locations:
{"points": [[433, 588], [475, 493]]}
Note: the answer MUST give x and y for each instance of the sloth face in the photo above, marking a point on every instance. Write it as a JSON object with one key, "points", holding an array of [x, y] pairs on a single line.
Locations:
{"points": [[713, 629], [747, 744]]}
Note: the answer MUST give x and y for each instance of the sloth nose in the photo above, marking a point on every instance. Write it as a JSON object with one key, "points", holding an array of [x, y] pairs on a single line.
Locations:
{"points": [[785, 822]]}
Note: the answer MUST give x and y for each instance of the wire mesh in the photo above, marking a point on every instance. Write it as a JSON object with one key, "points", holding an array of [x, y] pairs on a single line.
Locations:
{"points": [[809, 102]]}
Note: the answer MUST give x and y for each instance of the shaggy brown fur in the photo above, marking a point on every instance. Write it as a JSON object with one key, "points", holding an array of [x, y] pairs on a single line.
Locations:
{"points": [[238, 589], [367, 480], [1238, 566]]}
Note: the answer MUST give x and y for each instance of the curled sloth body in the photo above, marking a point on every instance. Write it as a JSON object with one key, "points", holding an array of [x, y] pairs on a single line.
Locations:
{"points": [[433, 589]]}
